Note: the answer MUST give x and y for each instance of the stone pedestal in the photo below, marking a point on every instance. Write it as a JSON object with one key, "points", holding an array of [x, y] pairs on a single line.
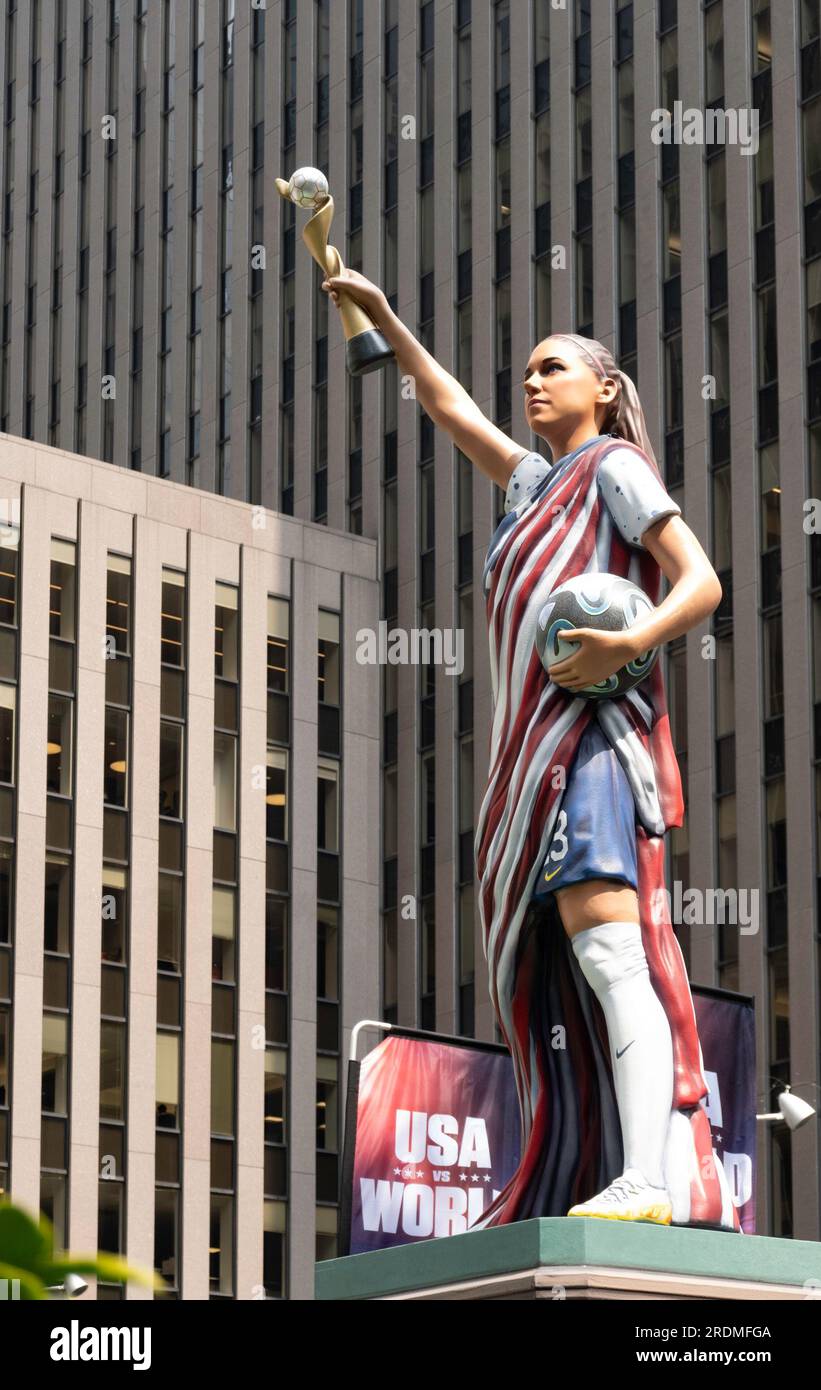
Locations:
{"points": [[581, 1258]]}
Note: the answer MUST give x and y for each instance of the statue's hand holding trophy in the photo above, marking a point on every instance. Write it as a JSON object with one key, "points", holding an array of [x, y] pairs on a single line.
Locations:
{"points": [[367, 348]]}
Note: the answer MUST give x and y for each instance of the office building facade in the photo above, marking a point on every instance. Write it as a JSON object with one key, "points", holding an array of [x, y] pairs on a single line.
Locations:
{"points": [[189, 855], [493, 168]]}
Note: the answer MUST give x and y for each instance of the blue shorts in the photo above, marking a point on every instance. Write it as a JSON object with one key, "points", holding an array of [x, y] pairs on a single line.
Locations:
{"points": [[595, 831]]}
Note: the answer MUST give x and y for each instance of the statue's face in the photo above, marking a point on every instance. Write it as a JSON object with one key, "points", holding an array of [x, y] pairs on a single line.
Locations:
{"points": [[560, 385]]}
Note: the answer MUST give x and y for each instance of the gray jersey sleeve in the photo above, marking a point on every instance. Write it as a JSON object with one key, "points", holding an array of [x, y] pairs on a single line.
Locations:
{"points": [[526, 476], [633, 494]]}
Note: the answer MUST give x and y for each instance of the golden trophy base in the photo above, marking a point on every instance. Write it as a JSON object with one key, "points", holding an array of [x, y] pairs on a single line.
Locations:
{"points": [[367, 351]]}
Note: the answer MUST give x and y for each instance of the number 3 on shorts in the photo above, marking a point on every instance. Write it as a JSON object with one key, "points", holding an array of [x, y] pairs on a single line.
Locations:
{"points": [[560, 836]]}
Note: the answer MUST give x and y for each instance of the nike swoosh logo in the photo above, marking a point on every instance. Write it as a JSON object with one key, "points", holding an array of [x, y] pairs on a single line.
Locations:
{"points": [[552, 874], [624, 1049]]}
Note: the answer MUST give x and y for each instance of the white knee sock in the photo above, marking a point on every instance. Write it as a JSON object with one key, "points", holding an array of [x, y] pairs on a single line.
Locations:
{"points": [[612, 960]]}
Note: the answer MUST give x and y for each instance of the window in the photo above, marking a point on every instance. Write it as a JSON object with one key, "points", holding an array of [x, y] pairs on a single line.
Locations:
{"points": [[169, 923], [275, 1080], [327, 806], [112, 1071], [276, 809], [62, 590], [222, 1086], [4, 1057], [278, 707], [57, 904], [58, 745], [225, 781], [8, 695], [168, 1080], [113, 913], [328, 657], [55, 1064], [173, 618], [166, 1233], [223, 918], [221, 1244], [115, 759], [9, 542], [118, 605], [171, 773], [226, 662]]}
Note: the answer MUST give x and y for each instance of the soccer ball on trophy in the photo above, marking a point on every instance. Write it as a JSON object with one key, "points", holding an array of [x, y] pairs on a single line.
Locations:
{"points": [[604, 601], [308, 188]]}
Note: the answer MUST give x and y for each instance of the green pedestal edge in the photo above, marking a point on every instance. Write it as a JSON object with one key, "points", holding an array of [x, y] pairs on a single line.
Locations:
{"points": [[568, 1241]]}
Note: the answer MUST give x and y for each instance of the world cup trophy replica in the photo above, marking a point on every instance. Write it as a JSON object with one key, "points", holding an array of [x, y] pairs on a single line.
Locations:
{"points": [[366, 347]]}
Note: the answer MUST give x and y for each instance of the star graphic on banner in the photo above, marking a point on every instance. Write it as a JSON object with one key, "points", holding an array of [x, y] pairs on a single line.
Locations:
{"points": [[474, 1177], [420, 1172], [462, 1177], [397, 1171], [487, 1177]]}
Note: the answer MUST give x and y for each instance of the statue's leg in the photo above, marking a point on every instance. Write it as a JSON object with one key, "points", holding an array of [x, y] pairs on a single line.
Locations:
{"points": [[611, 956], [592, 868]]}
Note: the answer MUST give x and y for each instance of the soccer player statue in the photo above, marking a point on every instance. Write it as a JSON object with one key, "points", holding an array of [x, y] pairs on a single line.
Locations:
{"points": [[586, 976], [366, 348]]}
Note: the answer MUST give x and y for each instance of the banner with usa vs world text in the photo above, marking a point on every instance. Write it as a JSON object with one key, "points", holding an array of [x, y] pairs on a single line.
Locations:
{"points": [[435, 1130]]}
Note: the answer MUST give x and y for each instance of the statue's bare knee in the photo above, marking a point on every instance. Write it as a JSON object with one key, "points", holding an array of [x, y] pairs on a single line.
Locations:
{"points": [[596, 900]]}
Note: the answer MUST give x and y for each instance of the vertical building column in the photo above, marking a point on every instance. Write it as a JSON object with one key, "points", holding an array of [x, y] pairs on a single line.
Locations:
{"points": [[373, 158], [805, 1064], [304, 267], [98, 106], [27, 1041], [522, 136], [204, 470], [271, 347], [604, 188], [747, 642], [697, 944], [70, 198], [360, 813], [338, 160], [142, 962], [302, 834], [199, 840], [562, 164], [407, 780], [236, 482], [481, 51], [41, 272], [251, 979], [445, 605], [182, 243], [16, 245], [649, 231], [84, 1051], [151, 425]]}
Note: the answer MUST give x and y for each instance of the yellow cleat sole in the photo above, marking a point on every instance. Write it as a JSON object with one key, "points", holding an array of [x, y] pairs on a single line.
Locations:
{"points": [[659, 1215]]}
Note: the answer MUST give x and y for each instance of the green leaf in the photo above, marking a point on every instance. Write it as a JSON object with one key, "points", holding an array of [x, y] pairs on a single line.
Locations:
{"points": [[22, 1241], [30, 1285], [27, 1251]]}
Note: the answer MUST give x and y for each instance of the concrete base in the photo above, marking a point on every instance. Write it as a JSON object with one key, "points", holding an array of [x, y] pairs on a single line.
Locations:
{"points": [[579, 1257]]}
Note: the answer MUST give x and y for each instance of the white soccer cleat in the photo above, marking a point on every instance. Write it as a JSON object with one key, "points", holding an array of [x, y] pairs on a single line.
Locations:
{"points": [[629, 1198]]}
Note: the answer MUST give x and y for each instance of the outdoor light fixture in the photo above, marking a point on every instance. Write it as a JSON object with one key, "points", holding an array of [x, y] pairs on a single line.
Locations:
{"points": [[791, 1109]]}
